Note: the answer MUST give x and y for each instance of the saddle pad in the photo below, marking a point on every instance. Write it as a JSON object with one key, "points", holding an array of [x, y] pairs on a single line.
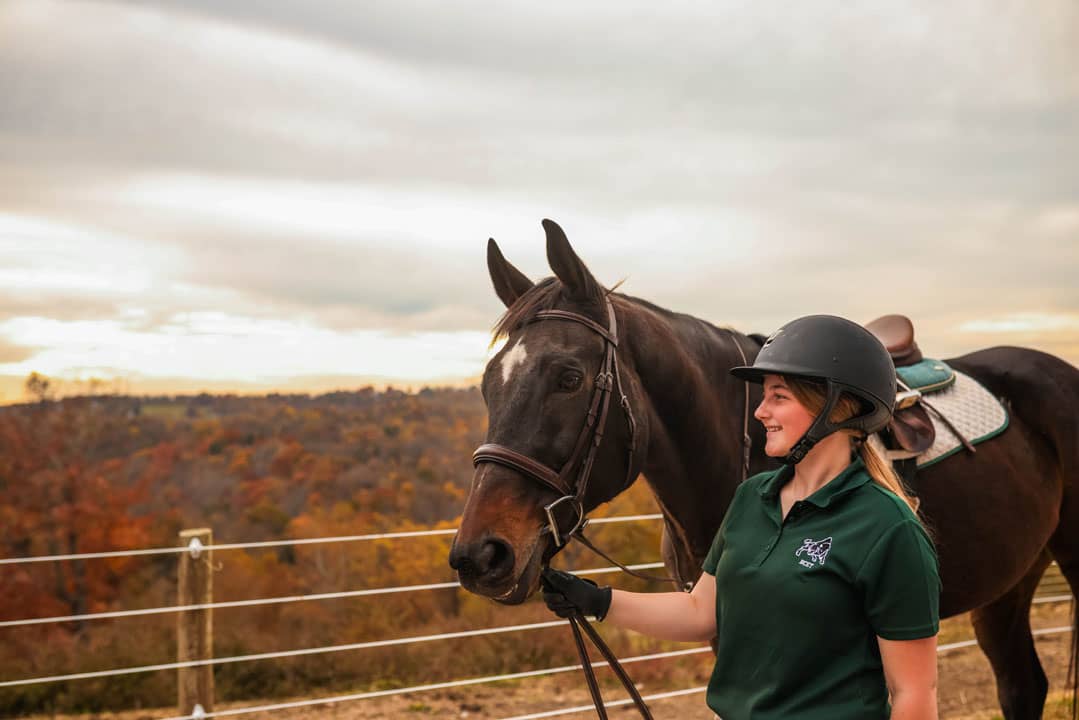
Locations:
{"points": [[974, 411], [926, 376]]}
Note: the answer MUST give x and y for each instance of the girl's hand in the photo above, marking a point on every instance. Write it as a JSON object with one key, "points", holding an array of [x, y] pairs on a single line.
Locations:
{"points": [[567, 595]]}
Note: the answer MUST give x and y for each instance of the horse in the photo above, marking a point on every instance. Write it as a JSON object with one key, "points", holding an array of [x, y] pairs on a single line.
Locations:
{"points": [[998, 516]]}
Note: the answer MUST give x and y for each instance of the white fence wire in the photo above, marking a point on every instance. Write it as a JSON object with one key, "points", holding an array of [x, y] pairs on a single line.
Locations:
{"points": [[281, 543], [281, 600], [438, 686], [284, 654], [1035, 633], [611, 704]]}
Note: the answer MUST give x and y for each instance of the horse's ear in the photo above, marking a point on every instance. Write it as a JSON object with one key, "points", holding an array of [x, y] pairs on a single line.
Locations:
{"points": [[510, 283], [575, 277]]}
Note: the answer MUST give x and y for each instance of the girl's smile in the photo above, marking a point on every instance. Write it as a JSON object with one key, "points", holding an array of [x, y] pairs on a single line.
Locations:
{"points": [[785, 419]]}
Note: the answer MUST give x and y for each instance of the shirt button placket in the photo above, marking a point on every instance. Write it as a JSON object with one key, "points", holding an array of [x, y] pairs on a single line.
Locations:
{"points": [[768, 549]]}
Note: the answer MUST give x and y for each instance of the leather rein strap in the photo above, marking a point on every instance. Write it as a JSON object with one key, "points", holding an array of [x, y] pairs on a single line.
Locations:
{"points": [[578, 623], [747, 442]]}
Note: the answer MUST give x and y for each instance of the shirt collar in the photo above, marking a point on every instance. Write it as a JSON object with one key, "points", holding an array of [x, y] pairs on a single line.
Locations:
{"points": [[853, 476]]}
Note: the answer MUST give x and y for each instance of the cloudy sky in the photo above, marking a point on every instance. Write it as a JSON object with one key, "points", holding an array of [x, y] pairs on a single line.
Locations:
{"points": [[252, 195]]}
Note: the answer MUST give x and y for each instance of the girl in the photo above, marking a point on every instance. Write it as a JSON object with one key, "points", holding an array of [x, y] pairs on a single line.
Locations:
{"points": [[821, 585]]}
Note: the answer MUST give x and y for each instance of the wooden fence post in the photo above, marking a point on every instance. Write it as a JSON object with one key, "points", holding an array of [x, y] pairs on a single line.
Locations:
{"points": [[195, 628]]}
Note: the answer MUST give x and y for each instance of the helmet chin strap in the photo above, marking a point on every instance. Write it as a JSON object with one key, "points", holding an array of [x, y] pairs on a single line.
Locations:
{"points": [[820, 429]]}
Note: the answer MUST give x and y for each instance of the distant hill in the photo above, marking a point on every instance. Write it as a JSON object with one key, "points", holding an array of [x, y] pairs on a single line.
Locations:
{"points": [[245, 465]]}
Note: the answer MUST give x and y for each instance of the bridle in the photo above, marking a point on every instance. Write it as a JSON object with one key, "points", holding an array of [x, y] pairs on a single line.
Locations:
{"points": [[565, 516], [571, 483]]}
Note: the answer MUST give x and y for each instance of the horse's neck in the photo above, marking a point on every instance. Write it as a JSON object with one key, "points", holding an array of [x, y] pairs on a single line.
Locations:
{"points": [[696, 412]]}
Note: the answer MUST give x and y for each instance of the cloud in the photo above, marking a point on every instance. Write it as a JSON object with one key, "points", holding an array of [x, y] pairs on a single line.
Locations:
{"points": [[217, 346], [1025, 323], [942, 104], [524, 96], [335, 168]]}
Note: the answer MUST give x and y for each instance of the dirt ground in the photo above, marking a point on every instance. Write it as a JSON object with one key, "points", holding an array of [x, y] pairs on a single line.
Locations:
{"points": [[966, 690]]}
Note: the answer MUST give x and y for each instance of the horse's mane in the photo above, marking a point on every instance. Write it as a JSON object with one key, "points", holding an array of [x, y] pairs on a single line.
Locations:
{"points": [[541, 296], [545, 293]]}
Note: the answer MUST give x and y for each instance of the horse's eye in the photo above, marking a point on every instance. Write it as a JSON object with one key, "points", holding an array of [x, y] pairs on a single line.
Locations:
{"points": [[570, 381]]}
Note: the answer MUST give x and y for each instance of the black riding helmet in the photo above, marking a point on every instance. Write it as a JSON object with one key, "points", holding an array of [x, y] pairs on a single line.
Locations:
{"points": [[845, 357]]}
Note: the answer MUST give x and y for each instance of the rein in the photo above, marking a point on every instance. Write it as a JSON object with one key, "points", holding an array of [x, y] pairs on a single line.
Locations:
{"points": [[747, 442], [565, 515]]}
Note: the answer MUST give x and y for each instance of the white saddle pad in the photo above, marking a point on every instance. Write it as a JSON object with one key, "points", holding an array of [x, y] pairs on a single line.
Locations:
{"points": [[974, 411]]}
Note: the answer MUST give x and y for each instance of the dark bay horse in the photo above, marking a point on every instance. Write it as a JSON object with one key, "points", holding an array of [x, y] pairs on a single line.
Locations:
{"points": [[999, 516]]}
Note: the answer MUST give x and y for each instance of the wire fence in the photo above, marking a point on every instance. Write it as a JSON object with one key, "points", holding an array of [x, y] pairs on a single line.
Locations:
{"points": [[437, 686], [371, 644], [528, 674], [283, 654], [1054, 598], [278, 600]]}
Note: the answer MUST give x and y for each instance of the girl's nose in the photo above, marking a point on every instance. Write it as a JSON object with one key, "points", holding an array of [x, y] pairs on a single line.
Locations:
{"points": [[759, 413]]}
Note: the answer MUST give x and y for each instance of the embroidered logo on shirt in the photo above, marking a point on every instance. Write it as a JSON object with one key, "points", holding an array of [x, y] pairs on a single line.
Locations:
{"points": [[814, 550]]}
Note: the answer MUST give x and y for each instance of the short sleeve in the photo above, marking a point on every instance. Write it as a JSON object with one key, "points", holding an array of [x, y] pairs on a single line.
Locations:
{"points": [[902, 584], [711, 560]]}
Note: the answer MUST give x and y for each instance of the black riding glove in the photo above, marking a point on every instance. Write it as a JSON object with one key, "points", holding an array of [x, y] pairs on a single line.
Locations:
{"points": [[567, 594]]}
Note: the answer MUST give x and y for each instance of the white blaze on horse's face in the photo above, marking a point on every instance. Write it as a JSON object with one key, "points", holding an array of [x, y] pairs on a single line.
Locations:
{"points": [[516, 356]]}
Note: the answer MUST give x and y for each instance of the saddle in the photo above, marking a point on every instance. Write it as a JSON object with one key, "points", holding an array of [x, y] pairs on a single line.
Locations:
{"points": [[911, 430], [896, 333]]}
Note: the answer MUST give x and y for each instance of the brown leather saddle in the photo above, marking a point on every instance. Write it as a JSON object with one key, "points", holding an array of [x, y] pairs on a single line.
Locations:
{"points": [[910, 429], [896, 332]]}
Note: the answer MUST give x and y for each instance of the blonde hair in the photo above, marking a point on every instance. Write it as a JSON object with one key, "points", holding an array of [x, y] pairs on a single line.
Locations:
{"points": [[812, 396]]}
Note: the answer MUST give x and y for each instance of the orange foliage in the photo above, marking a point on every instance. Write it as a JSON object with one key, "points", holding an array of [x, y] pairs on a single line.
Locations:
{"points": [[113, 473]]}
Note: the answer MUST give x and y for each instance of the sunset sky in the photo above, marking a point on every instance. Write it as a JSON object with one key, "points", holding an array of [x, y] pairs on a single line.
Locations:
{"points": [[244, 196]]}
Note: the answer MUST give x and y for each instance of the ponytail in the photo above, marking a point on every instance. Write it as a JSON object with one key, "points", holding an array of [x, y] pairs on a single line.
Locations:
{"points": [[883, 474]]}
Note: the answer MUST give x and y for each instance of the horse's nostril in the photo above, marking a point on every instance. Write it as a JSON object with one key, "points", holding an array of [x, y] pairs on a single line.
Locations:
{"points": [[498, 556], [488, 560]]}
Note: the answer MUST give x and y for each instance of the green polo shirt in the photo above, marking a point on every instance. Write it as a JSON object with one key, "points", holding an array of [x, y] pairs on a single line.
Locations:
{"points": [[800, 602]]}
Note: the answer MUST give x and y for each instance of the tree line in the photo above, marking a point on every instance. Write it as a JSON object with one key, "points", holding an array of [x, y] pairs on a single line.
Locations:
{"points": [[113, 472]]}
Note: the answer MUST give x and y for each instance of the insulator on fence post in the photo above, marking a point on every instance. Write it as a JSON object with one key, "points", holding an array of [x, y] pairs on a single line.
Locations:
{"points": [[195, 548], [198, 713]]}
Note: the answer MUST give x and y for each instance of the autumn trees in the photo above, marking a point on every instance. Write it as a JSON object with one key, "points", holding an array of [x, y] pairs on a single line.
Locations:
{"points": [[110, 472]]}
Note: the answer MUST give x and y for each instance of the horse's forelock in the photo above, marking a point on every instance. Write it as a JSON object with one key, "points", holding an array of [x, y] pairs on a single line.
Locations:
{"points": [[542, 296]]}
